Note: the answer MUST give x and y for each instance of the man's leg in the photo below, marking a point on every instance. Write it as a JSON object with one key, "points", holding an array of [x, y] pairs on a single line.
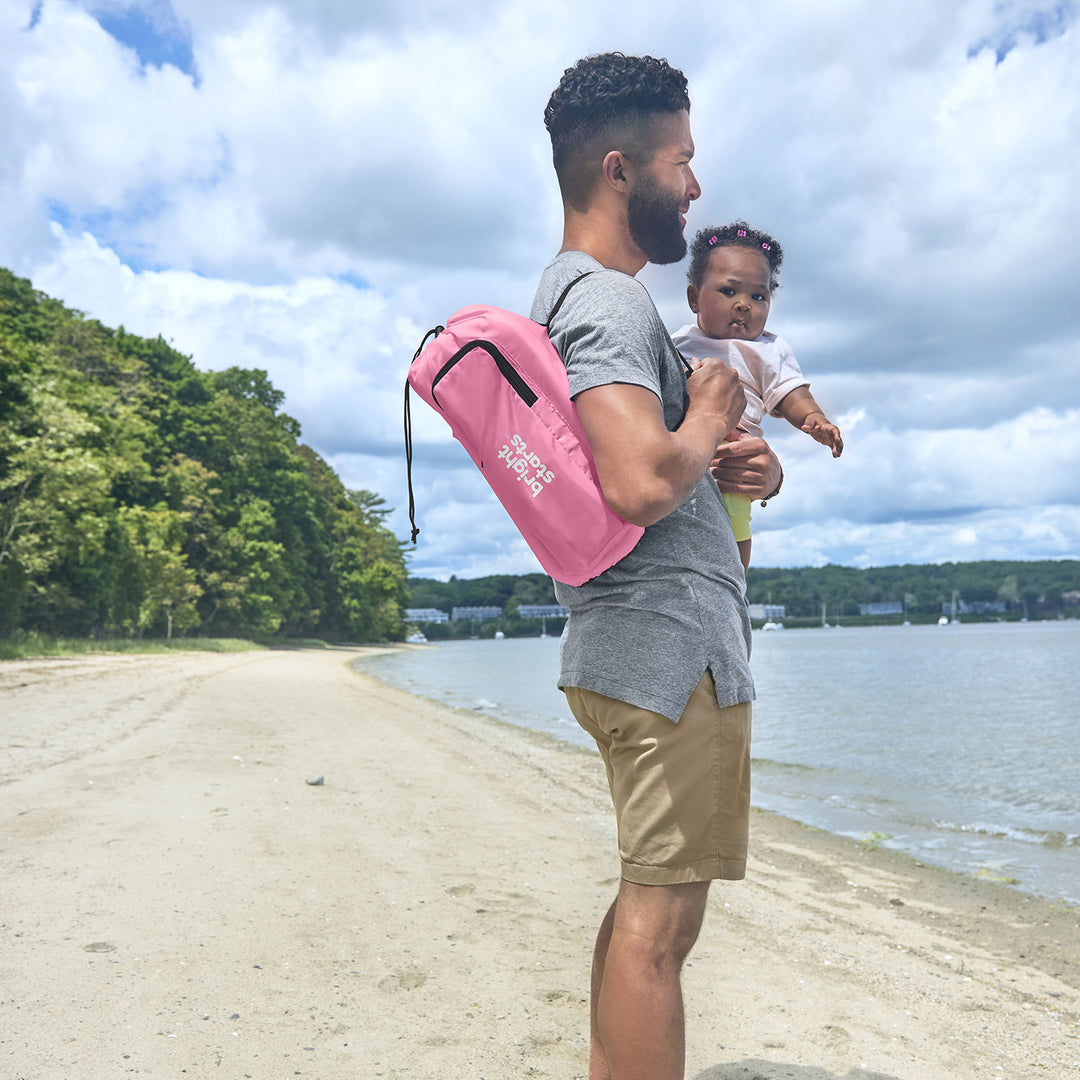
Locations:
{"points": [[638, 1029], [598, 1064]]}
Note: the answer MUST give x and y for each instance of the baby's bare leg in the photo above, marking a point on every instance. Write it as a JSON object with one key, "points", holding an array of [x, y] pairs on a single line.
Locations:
{"points": [[744, 553]]}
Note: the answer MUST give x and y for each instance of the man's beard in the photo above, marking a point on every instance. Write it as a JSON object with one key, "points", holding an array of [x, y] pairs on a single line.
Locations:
{"points": [[653, 217]]}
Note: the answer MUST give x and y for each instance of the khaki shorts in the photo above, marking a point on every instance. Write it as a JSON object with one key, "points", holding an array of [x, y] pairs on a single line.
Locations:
{"points": [[681, 791]]}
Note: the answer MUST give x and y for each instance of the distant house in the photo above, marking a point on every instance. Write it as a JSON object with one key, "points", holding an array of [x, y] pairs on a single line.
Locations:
{"points": [[478, 613], [767, 611], [425, 614], [542, 611], [882, 607], [974, 607], [1071, 598]]}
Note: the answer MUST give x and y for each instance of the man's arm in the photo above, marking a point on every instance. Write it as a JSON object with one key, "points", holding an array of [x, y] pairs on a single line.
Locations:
{"points": [[645, 470]]}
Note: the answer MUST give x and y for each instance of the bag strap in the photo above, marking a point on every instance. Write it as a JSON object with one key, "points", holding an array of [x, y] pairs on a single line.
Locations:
{"points": [[562, 297], [435, 331]]}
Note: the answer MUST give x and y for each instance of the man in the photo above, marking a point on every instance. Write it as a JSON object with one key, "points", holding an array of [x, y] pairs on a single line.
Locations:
{"points": [[655, 658]]}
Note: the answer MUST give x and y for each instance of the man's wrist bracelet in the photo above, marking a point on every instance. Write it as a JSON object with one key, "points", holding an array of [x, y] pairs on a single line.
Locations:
{"points": [[776, 490]]}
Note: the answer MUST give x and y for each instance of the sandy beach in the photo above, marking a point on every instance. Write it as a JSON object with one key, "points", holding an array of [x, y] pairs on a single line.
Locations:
{"points": [[177, 900]]}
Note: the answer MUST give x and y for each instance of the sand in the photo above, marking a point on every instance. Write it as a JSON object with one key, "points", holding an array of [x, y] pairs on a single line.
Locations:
{"points": [[177, 900]]}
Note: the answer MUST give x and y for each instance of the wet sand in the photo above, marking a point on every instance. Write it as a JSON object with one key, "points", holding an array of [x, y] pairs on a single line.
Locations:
{"points": [[177, 901]]}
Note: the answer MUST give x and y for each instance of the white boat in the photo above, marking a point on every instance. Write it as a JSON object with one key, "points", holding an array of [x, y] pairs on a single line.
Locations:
{"points": [[772, 626], [417, 639]]}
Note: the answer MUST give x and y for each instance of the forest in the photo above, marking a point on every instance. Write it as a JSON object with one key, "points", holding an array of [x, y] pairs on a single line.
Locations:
{"points": [[142, 496]]}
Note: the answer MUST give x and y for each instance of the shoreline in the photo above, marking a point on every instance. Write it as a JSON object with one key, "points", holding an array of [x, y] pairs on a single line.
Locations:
{"points": [[174, 891], [1032, 869]]}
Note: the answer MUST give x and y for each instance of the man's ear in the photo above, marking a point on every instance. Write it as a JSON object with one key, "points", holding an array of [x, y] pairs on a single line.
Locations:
{"points": [[615, 170], [692, 297]]}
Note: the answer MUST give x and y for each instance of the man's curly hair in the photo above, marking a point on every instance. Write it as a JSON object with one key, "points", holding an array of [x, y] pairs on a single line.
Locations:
{"points": [[604, 103], [737, 234]]}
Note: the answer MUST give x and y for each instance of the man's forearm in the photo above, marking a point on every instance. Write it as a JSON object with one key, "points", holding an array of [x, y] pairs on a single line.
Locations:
{"points": [[663, 472], [645, 470]]}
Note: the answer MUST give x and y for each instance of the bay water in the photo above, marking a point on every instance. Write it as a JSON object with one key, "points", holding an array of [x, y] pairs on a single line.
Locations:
{"points": [[959, 744]]}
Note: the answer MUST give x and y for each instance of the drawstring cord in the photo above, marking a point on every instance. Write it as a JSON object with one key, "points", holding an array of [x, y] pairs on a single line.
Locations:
{"points": [[433, 332]]}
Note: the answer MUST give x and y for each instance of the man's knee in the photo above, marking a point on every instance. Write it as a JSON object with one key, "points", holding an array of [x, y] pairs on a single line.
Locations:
{"points": [[661, 921]]}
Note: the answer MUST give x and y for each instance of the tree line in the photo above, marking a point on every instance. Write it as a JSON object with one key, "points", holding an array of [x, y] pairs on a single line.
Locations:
{"points": [[140, 495], [1035, 589], [1026, 589]]}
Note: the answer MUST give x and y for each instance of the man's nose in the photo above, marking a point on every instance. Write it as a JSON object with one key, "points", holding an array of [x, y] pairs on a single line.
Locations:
{"points": [[693, 188]]}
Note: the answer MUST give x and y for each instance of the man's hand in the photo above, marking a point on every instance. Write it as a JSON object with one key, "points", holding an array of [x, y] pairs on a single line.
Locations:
{"points": [[745, 465], [715, 390]]}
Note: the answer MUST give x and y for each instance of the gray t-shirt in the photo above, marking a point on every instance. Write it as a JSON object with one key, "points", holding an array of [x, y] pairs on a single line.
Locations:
{"points": [[645, 630]]}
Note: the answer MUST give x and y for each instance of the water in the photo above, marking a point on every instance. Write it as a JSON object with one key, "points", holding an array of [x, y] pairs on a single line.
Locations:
{"points": [[956, 744]]}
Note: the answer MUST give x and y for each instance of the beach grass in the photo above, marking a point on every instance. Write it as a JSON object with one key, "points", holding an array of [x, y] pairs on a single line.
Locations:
{"points": [[28, 645]]}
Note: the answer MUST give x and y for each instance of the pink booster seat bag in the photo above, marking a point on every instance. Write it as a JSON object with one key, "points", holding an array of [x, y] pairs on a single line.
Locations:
{"points": [[502, 387]]}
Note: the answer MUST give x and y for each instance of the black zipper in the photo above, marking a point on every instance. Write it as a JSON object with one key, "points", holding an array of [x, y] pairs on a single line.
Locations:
{"points": [[509, 372]]}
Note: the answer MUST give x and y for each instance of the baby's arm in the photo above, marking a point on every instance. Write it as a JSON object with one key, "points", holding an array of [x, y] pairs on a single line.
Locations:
{"points": [[800, 409]]}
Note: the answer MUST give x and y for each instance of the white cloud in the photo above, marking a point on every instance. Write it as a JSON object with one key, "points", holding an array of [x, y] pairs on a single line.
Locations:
{"points": [[331, 179], [1025, 461], [335, 350], [1046, 533], [106, 133]]}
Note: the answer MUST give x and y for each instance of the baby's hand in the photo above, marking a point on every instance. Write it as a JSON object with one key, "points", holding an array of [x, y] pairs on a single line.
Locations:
{"points": [[818, 427]]}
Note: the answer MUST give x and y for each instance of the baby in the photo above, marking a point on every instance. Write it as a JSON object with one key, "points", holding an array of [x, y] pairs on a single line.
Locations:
{"points": [[732, 277]]}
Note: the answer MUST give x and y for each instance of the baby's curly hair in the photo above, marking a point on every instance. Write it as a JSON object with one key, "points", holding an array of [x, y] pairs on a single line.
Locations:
{"points": [[737, 234], [604, 103]]}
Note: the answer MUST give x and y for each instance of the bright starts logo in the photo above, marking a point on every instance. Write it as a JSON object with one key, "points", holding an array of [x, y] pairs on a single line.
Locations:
{"points": [[531, 470]]}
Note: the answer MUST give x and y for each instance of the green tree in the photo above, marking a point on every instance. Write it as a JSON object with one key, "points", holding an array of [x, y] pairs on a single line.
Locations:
{"points": [[141, 495]]}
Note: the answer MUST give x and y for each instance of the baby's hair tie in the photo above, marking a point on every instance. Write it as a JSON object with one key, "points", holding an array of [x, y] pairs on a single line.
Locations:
{"points": [[714, 240], [741, 232], [766, 247]]}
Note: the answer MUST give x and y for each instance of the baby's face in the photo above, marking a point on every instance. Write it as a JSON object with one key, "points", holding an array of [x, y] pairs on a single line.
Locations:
{"points": [[733, 300]]}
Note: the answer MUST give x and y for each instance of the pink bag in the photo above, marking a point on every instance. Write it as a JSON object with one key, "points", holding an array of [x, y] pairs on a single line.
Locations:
{"points": [[502, 387]]}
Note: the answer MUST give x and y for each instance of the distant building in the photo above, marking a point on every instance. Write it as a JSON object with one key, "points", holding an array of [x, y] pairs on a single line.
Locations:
{"points": [[478, 613], [543, 611], [767, 611], [1071, 598], [425, 614], [974, 607], [882, 607]]}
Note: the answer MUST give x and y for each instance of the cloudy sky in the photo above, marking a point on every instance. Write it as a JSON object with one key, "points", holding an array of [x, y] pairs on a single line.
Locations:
{"points": [[306, 186]]}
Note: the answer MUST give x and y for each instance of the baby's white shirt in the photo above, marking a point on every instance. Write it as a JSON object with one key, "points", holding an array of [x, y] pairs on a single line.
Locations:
{"points": [[767, 369]]}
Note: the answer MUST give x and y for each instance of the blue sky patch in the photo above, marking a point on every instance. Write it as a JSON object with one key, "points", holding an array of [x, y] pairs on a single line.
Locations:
{"points": [[108, 227], [157, 39], [1041, 26], [355, 281]]}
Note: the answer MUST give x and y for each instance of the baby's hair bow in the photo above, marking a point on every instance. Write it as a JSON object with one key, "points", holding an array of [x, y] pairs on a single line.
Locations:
{"points": [[766, 247], [713, 240], [741, 232]]}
